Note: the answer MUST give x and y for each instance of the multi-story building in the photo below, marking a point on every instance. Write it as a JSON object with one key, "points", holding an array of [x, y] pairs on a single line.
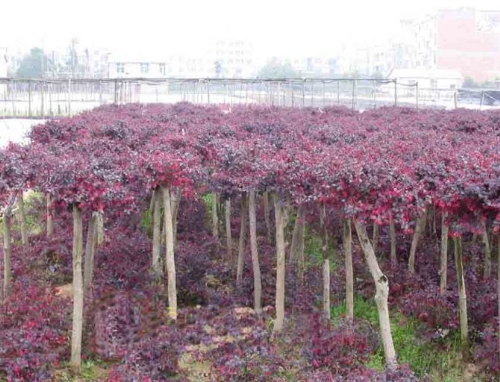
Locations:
{"points": [[4, 62], [231, 59], [464, 39], [136, 67], [3, 69]]}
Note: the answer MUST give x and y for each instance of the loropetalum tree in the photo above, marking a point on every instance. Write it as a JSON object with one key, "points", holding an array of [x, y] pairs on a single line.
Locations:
{"points": [[388, 166]]}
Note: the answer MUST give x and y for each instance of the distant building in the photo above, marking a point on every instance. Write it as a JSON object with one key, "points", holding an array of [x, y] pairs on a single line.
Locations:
{"points": [[4, 62], [231, 59], [435, 79], [136, 67], [464, 39], [309, 66]]}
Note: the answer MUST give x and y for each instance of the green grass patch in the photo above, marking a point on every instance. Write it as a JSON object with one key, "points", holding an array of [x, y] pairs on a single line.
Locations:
{"points": [[437, 359], [313, 253]]}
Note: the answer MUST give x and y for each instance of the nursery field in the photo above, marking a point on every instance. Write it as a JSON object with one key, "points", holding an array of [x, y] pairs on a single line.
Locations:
{"points": [[189, 243]]}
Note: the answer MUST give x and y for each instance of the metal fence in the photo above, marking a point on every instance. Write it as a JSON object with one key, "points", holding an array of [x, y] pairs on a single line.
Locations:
{"points": [[21, 98]]}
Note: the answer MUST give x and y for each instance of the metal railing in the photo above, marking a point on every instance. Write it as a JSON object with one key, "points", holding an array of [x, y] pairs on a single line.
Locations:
{"points": [[37, 98]]}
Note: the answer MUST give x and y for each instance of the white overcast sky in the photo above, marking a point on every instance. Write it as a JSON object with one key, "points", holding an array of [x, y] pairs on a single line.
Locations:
{"points": [[276, 27]]}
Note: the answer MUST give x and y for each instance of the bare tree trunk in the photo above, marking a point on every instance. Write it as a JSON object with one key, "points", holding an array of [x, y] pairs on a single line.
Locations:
{"points": [[281, 221], [241, 245], [77, 330], [176, 201], [266, 217], [229, 236], [381, 296], [297, 245], [257, 283], [301, 244], [474, 238], [487, 252], [498, 290], [292, 258], [392, 229], [326, 262], [462, 300], [169, 257], [100, 228], [349, 272], [7, 251], [375, 238], [431, 221], [22, 219], [50, 218], [444, 254], [419, 229], [90, 252], [215, 216], [156, 260]]}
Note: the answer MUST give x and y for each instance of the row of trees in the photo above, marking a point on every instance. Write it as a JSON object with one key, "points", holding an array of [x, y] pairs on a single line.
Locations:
{"points": [[388, 167]]}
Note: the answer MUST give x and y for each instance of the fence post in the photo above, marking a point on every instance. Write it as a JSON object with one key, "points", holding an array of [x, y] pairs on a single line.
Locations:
{"points": [[353, 103], [338, 92], [13, 90], [42, 90], [324, 93], [29, 98], [417, 95], [312, 93], [482, 98], [455, 99], [395, 92], [208, 91], [303, 92], [100, 92], [69, 97], [116, 92]]}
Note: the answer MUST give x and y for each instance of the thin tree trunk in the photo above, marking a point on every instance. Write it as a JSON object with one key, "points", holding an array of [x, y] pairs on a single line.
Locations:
{"points": [[229, 236], [169, 257], [498, 290], [176, 201], [349, 272], [22, 220], [266, 217], [301, 244], [88, 273], [100, 228], [462, 300], [281, 221], [292, 258], [381, 296], [326, 262], [419, 229], [257, 283], [487, 252], [156, 259], [297, 246], [7, 251], [77, 330], [50, 218], [215, 216], [444, 254], [375, 237], [241, 246], [392, 229]]}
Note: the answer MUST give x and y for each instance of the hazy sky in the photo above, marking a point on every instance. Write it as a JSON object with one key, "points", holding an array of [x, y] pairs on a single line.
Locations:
{"points": [[291, 27]]}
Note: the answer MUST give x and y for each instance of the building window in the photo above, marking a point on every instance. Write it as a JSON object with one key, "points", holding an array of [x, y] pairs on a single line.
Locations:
{"points": [[144, 68], [162, 69], [120, 68]]}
